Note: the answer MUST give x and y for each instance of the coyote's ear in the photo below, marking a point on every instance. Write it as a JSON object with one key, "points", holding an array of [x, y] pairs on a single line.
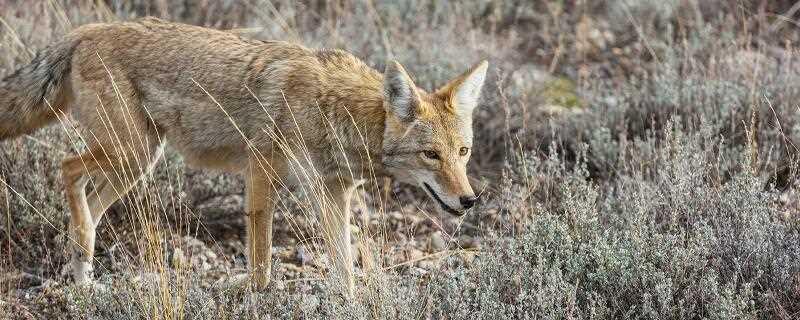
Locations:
{"points": [[465, 90], [399, 92]]}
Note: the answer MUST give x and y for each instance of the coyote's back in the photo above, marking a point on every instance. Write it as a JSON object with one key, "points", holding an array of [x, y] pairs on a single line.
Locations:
{"points": [[203, 90]]}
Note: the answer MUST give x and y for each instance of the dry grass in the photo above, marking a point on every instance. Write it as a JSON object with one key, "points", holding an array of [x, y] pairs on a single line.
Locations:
{"points": [[636, 159]]}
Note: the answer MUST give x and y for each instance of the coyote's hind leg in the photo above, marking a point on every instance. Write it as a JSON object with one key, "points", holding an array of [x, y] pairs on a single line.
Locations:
{"points": [[112, 179]]}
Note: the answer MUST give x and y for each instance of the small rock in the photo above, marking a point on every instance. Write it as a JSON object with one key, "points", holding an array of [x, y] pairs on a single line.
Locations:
{"points": [[278, 285], [197, 254], [396, 215], [468, 257], [437, 241], [291, 268], [241, 280], [427, 265], [309, 303], [284, 253], [50, 283], [414, 254], [224, 206], [415, 271], [468, 242], [304, 256]]}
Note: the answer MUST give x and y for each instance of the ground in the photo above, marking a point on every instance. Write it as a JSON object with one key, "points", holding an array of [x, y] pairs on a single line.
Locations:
{"points": [[635, 159]]}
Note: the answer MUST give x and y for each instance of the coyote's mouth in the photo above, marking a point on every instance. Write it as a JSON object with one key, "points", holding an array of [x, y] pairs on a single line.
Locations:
{"points": [[441, 203]]}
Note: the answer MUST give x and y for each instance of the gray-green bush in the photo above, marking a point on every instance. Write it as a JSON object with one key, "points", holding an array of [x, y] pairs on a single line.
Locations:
{"points": [[664, 188]]}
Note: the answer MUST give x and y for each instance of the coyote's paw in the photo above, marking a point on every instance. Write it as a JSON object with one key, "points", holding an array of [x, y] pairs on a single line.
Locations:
{"points": [[81, 272]]}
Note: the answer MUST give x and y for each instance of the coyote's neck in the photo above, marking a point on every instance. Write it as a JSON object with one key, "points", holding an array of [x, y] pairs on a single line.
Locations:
{"points": [[361, 118], [353, 94]]}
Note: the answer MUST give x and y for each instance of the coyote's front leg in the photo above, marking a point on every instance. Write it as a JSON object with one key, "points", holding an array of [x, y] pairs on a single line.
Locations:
{"points": [[336, 228], [263, 179]]}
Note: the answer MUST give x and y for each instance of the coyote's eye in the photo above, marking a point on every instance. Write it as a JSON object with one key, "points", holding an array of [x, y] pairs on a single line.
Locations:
{"points": [[463, 151], [430, 154]]}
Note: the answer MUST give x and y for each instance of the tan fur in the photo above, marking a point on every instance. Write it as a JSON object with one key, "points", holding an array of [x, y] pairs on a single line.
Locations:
{"points": [[277, 112]]}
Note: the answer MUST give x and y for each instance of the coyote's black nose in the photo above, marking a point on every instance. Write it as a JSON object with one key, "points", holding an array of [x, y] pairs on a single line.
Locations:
{"points": [[468, 201]]}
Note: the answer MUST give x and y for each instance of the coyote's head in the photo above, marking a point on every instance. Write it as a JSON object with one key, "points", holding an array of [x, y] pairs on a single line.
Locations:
{"points": [[428, 137]]}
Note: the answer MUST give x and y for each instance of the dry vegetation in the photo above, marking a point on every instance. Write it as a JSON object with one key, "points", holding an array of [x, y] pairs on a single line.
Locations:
{"points": [[637, 159]]}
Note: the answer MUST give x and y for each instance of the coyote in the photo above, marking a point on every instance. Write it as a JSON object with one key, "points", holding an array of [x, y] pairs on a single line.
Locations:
{"points": [[278, 113]]}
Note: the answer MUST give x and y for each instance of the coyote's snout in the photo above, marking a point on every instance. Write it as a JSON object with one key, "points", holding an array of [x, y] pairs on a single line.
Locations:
{"points": [[276, 112]]}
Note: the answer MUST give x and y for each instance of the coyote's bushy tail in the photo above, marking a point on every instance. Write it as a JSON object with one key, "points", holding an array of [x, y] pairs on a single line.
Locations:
{"points": [[30, 95]]}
